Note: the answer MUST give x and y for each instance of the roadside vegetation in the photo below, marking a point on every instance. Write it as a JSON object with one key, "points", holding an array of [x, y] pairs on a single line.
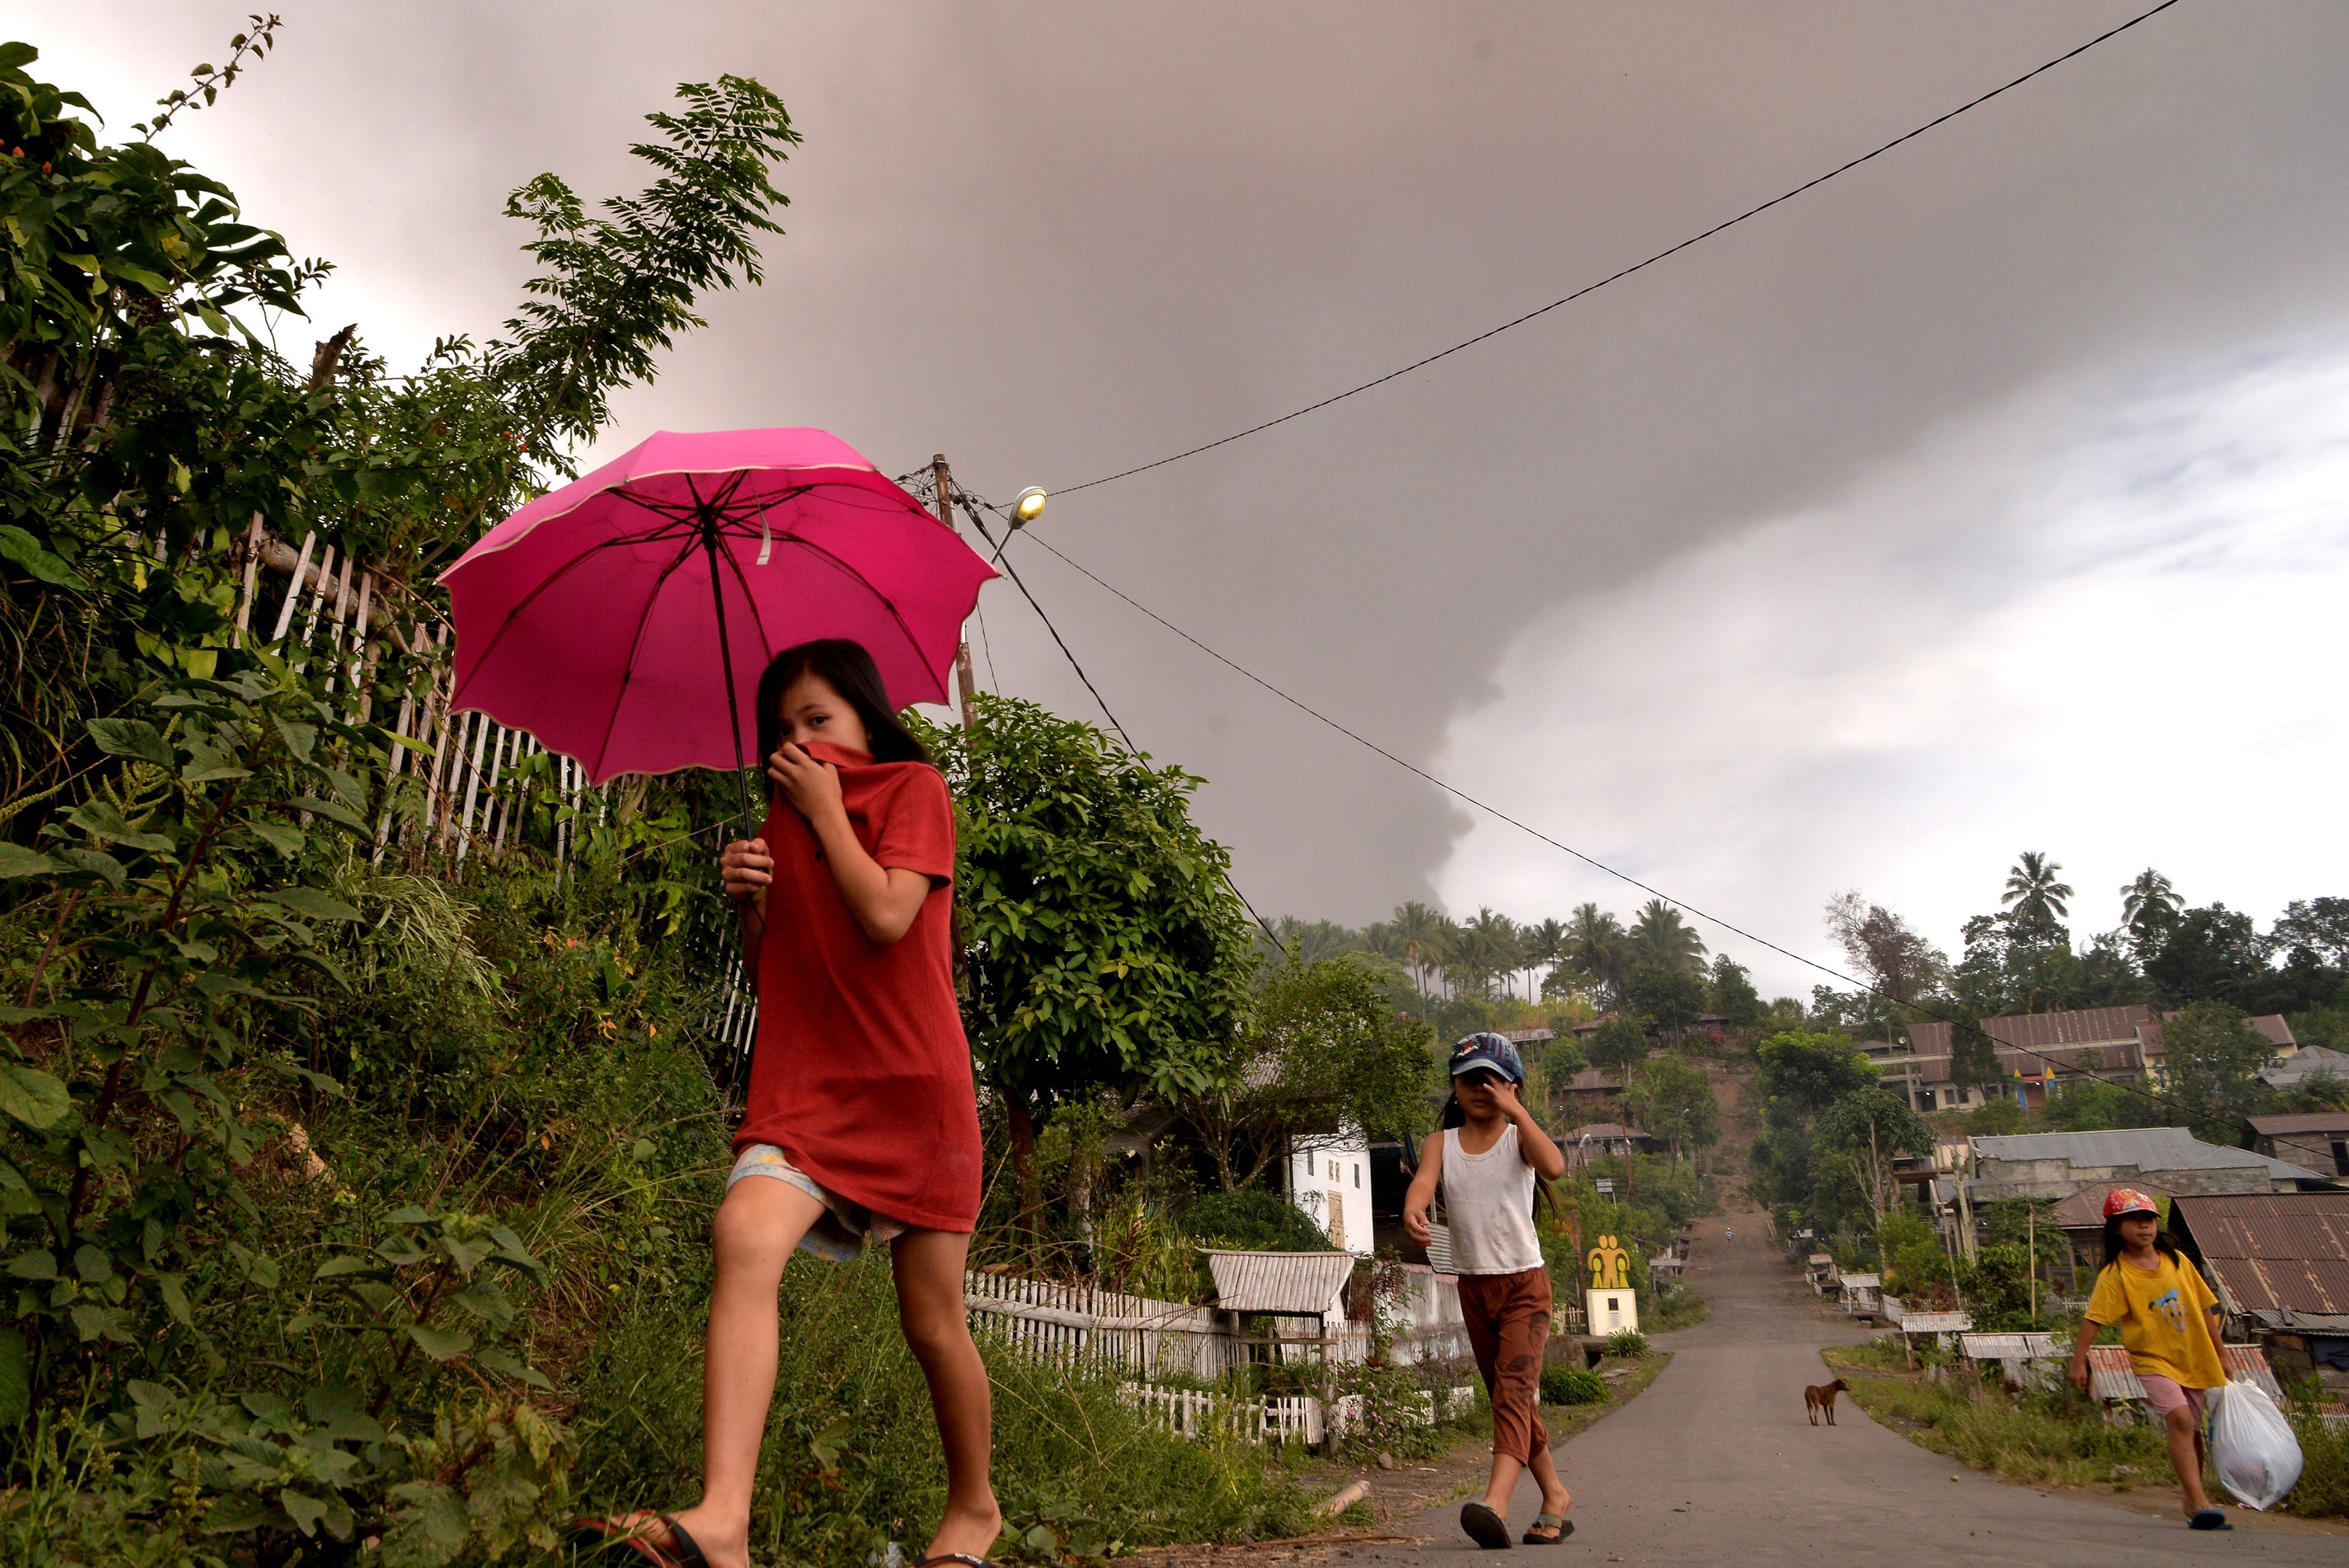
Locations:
{"points": [[2059, 1436]]}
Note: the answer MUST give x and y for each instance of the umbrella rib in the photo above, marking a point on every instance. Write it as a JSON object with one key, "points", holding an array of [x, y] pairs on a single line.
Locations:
{"points": [[853, 575], [549, 581], [636, 641]]}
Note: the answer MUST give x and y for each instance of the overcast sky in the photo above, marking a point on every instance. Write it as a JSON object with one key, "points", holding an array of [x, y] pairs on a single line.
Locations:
{"points": [[1994, 497]]}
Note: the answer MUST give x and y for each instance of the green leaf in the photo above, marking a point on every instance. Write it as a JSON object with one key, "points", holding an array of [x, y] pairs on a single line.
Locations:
{"points": [[485, 1301], [284, 837], [505, 1365], [133, 737], [311, 902], [32, 1096], [299, 737], [333, 811], [100, 819], [440, 1343], [348, 1263], [27, 552], [16, 1379], [175, 1299], [17, 860], [39, 1263]]}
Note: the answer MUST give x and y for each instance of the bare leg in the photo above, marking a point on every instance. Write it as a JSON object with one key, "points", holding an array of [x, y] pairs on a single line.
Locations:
{"points": [[1555, 1498], [930, 1270], [2186, 1457], [759, 1226], [1506, 1468]]}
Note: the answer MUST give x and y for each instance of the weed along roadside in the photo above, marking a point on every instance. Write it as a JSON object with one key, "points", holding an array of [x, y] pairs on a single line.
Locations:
{"points": [[1397, 1486], [2054, 1437]]}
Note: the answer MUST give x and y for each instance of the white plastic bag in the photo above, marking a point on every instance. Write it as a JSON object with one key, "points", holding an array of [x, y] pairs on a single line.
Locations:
{"points": [[2252, 1445]]}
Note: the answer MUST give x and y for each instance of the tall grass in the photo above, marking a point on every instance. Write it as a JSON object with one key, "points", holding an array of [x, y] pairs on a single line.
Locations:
{"points": [[852, 1458]]}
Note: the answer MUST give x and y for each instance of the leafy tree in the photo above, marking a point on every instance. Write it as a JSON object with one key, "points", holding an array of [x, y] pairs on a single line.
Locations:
{"points": [[2318, 927], [1894, 958], [1673, 1100], [1669, 1000], [2035, 892], [1252, 1220], [1327, 1053], [2210, 1061], [1561, 1059], [1618, 1045], [1731, 994], [1661, 937], [1803, 1074], [1869, 1126], [1421, 932], [1973, 1055], [2211, 954], [1103, 948], [2093, 1105], [1544, 947]]}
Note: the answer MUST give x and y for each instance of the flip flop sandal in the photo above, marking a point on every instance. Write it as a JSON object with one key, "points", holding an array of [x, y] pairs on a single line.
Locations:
{"points": [[1486, 1527], [685, 1553], [2209, 1519], [963, 1558], [1563, 1525]]}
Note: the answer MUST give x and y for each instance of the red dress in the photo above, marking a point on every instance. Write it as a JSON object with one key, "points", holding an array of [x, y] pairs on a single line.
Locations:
{"points": [[862, 1073]]}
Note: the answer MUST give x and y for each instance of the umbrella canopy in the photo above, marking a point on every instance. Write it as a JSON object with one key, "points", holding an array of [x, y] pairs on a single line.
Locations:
{"points": [[625, 619]]}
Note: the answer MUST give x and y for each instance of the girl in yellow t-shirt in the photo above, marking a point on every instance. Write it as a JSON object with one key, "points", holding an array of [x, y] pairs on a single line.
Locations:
{"points": [[2169, 1322]]}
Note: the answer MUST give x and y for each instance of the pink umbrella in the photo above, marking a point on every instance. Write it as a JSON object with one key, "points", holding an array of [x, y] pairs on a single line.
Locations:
{"points": [[617, 618]]}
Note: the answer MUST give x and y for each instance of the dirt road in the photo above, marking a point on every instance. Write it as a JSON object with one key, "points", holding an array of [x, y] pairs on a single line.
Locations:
{"points": [[1715, 1464]]}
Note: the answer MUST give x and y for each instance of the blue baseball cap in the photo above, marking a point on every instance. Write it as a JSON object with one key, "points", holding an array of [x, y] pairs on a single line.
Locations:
{"points": [[1487, 1053]]}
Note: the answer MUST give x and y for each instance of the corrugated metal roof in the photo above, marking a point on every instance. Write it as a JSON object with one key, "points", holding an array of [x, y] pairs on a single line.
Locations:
{"points": [[2110, 1376], [2296, 1067], [2275, 1251], [1860, 1281], [2008, 1347], [1298, 1284], [2147, 1148], [2037, 1031], [1614, 1130], [2309, 1121]]}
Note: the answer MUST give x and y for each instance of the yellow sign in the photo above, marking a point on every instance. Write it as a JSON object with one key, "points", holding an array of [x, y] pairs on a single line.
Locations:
{"points": [[1610, 1265]]}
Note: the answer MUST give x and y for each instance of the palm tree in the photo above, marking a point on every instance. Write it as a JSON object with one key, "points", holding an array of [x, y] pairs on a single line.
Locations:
{"points": [[1595, 947], [2149, 903], [2033, 893], [1545, 948], [1661, 937], [1419, 930]]}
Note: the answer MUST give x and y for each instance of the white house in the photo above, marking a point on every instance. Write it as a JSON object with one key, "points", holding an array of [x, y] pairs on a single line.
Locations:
{"points": [[1329, 1179]]}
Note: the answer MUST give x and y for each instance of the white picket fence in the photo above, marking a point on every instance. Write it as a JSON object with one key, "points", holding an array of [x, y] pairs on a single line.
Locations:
{"points": [[1060, 1322]]}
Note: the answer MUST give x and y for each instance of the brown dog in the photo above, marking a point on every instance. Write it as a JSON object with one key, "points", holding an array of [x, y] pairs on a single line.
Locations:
{"points": [[1821, 1397]]}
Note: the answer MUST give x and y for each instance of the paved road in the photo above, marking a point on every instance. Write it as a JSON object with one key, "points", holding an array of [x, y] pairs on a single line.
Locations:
{"points": [[1715, 1464]]}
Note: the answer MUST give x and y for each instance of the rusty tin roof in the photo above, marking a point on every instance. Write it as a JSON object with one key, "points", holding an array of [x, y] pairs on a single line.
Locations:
{"points": [[2275, 1251]]}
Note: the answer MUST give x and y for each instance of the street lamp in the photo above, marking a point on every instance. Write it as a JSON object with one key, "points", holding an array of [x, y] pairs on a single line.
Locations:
{"points": [[1027, 507]]}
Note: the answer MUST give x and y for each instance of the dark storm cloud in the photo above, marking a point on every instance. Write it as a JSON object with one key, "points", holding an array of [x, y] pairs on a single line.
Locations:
{"points": [[1054, 240]]}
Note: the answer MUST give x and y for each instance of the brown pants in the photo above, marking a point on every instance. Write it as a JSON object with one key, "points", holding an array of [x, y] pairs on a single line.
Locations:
{"points": [[1507, 1320]]}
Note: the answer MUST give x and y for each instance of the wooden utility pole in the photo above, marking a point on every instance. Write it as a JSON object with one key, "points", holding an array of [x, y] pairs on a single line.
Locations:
{"points": [[965, 682]]}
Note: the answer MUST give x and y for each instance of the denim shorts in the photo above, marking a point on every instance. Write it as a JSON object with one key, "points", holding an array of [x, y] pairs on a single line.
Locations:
{"points": [[846, 1226]]}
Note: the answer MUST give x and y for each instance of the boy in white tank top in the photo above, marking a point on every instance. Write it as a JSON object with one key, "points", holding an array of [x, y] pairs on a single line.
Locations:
{"points": [[1487, 1159]]}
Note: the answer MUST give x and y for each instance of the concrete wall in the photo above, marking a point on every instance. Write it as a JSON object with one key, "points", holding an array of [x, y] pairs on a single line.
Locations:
{"points": [[1322, 1168]]}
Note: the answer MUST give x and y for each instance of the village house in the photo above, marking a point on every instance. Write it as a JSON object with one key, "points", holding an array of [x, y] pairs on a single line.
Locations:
{"points": [[2280, 1264], [2297, 1067], [1590, 1090], [1583, 1144], [1329, 1179], [2053, 1166], [2318, 1140], [2040, 1053]]}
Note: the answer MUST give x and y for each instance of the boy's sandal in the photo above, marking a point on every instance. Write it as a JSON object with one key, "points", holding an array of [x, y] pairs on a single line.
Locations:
{"points": [[1486, 1527], [2209, 1519], [683, 1552], [1558, 1522]]}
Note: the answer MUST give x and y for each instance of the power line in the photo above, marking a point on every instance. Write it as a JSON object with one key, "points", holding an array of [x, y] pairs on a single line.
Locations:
{"points": [[1956, 1024], [1626, 272], [970, 505]]}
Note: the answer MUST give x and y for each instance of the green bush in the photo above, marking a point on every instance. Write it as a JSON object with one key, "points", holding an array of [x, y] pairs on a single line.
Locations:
{"points": [[1572, 1386], [1253, 1220], [1626, 1342]]}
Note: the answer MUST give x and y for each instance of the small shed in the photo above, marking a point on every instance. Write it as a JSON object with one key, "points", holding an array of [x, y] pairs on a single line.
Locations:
{"points": [[2024, 1360], [1860, 1293], [1818, 1269], [1298, 1291]]}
